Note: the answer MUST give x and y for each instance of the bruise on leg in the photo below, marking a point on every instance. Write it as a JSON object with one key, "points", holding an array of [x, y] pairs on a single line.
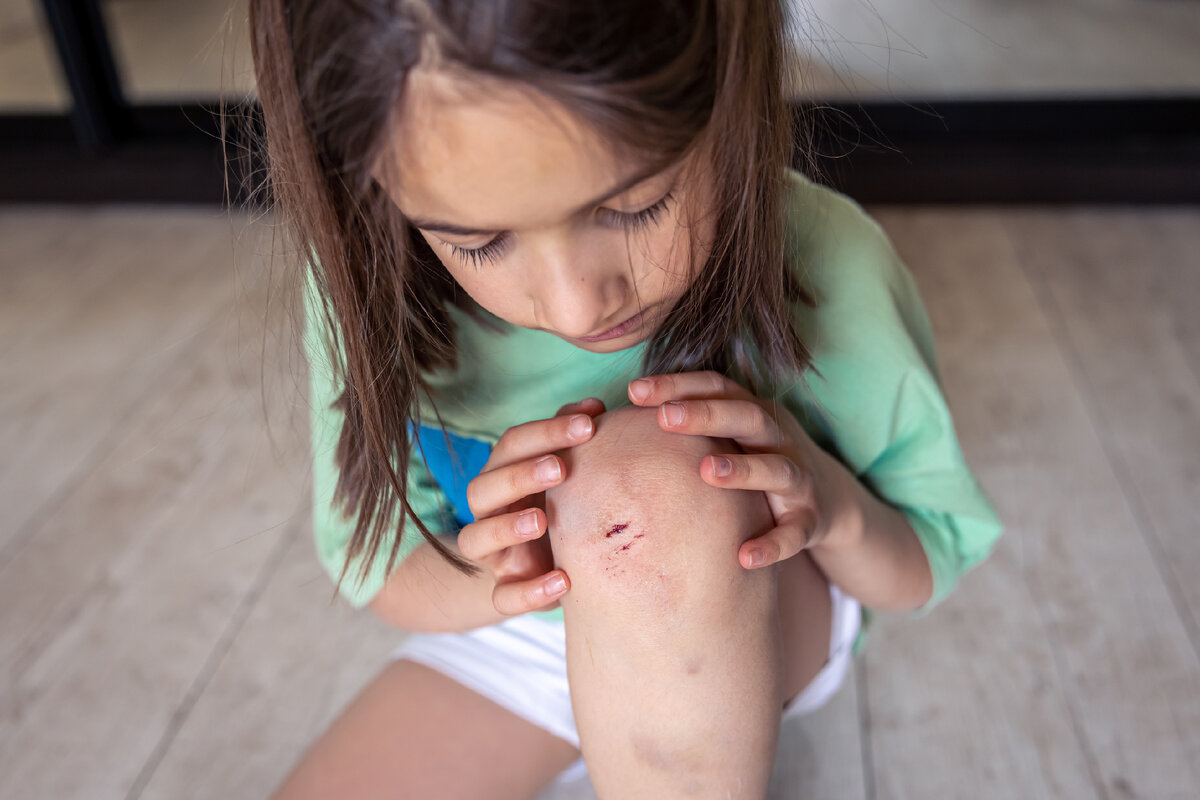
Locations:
{"points": [[652, 554]]}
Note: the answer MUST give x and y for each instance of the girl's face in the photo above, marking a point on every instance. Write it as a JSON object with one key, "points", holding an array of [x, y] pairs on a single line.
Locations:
{"points": [[536, 220]]}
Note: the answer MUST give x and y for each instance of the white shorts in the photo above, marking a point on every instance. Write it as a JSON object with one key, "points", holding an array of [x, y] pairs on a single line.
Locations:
{"points": [[521, 665]]}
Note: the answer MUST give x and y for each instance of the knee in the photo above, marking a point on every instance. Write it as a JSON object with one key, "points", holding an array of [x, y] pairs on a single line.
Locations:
{"points": [[634, 525]]}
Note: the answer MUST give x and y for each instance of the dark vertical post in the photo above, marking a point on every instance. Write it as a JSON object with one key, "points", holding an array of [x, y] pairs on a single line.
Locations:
{"points": [[99, 113]]}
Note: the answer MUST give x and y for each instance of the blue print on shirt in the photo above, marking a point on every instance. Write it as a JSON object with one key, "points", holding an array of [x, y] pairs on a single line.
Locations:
{"points": [[453, 467]]}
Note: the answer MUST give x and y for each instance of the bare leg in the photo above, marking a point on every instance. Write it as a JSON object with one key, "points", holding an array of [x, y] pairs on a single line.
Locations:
{"points": [[415, 733], [674, 651]]}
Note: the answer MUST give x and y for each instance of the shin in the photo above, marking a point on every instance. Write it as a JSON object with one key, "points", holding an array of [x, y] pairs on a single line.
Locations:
{"points": [[673, 649]]}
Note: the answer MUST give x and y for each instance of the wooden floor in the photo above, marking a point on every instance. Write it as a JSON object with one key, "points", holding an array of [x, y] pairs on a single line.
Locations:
{"points": [[166, 631]]}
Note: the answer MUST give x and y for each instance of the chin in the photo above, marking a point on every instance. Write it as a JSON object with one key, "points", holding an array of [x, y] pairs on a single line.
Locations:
{"points": [[609, 346]]}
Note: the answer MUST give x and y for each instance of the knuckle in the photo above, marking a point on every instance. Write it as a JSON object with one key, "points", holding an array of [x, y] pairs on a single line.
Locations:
{"points": [[473, 498], [500, 600], [791, 472], [505, 440], [791, 544], [466, 542], [716, 381], [803, 480], [501, 535], [761, 420], [515, 480]]}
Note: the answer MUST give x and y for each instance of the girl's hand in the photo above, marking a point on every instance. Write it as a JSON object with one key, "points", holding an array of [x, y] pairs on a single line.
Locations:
{"points": [[811, 495], [507, 499]]}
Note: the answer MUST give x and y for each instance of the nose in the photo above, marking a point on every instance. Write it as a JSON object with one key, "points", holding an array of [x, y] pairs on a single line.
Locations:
{"points": [[579, 295]]}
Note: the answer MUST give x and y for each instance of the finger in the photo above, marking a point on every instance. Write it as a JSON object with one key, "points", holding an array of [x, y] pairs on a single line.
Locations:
{"points": [[589, 405], [519, 597], [488, 536], [497, 489], [778, 544], [541, 436], [744, 421], [765, 472], [654, 389], [521, 561]]}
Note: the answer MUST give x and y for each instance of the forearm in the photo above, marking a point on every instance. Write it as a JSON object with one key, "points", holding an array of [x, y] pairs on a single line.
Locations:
{"points": [[427, 593], [876, 557]]}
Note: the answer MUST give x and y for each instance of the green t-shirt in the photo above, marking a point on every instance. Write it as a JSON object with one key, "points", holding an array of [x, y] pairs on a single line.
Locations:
{"points": [[876, 405]]}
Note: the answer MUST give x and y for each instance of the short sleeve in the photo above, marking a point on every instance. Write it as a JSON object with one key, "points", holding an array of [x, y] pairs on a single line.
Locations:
{"points": [[877, 402], [331, 529]]}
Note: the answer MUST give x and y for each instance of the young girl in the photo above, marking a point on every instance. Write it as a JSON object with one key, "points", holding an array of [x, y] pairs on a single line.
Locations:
{"points": [[515, 216]]}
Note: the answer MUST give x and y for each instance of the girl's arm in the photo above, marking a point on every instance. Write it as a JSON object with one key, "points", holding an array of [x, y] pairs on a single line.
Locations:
{"points": [[865, 546], [873, 553], [426, 593], [507, 539]]}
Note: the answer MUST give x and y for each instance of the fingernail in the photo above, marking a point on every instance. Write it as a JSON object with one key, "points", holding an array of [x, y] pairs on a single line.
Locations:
{"points": [[757, 558], [580, 426], [640, 389], [548, 470], [556, 585], [527, 523], [721, 466], [673, 413]]}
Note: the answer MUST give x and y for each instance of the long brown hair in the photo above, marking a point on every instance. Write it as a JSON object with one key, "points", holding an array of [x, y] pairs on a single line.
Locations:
{"points": [[653, 78]]}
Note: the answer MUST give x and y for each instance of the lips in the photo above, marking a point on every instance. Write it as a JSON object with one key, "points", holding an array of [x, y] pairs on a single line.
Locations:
{"points": [[620, 330]]}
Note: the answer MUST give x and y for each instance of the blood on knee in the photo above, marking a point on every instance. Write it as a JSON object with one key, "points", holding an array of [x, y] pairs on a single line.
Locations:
{"points": [[634, 515]]}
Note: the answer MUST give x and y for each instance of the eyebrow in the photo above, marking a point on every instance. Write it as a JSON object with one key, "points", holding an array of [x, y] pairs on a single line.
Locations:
{"points": [[460, 230]]}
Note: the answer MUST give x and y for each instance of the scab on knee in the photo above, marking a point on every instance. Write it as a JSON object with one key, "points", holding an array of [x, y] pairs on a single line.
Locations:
{"points": [[633, 520]]}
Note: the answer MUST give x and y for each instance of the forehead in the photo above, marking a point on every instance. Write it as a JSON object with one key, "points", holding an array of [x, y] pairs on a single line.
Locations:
{"points": [[492, 155]]}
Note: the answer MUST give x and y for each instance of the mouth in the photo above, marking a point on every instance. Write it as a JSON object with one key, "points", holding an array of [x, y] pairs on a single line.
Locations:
{"points": [[620, 330]]}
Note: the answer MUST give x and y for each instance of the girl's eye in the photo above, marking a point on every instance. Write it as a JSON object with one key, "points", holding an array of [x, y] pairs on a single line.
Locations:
{"points": [[636, 221], [480, 255], [644, 218]]}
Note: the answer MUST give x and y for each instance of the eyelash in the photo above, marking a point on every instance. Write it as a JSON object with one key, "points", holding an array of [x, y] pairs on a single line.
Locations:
{"points": [[477, 255], [634, 222]]}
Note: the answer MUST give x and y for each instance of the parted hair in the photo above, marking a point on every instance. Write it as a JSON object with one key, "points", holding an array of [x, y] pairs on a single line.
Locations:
{"points": [[654, 78]]}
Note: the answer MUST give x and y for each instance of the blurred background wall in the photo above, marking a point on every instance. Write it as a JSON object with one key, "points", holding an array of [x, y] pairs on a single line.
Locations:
{"points": [[925, 100]]}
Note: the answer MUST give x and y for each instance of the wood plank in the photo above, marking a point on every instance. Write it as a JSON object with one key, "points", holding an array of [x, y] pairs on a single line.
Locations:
{"points": [[1126, 284], [94, 305], [109, 615], [295, 664], [1068, 633], [820, 755], [967, 702]]}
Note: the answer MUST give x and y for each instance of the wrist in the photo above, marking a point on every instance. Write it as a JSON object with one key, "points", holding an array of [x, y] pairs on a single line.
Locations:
{"points": [[848, 503]]}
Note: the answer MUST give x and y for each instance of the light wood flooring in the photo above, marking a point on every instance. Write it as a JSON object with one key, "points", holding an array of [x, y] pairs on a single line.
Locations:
{"points": [[166, 631]]}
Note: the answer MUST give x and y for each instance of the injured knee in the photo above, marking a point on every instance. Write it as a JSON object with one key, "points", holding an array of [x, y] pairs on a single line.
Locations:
{"points": [[633, 519]]}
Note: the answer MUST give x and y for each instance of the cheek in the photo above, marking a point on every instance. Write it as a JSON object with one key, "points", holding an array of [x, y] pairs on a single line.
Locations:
{"points": [[490, 290], [671, 254], [500, 297]]}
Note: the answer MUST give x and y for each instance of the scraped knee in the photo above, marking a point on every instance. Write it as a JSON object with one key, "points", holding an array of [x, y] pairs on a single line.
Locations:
{"points": [[633, 523]]}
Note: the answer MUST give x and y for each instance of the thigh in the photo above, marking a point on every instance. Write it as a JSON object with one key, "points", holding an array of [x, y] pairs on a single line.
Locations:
{"points": [[805, 621], [415, 733]]}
